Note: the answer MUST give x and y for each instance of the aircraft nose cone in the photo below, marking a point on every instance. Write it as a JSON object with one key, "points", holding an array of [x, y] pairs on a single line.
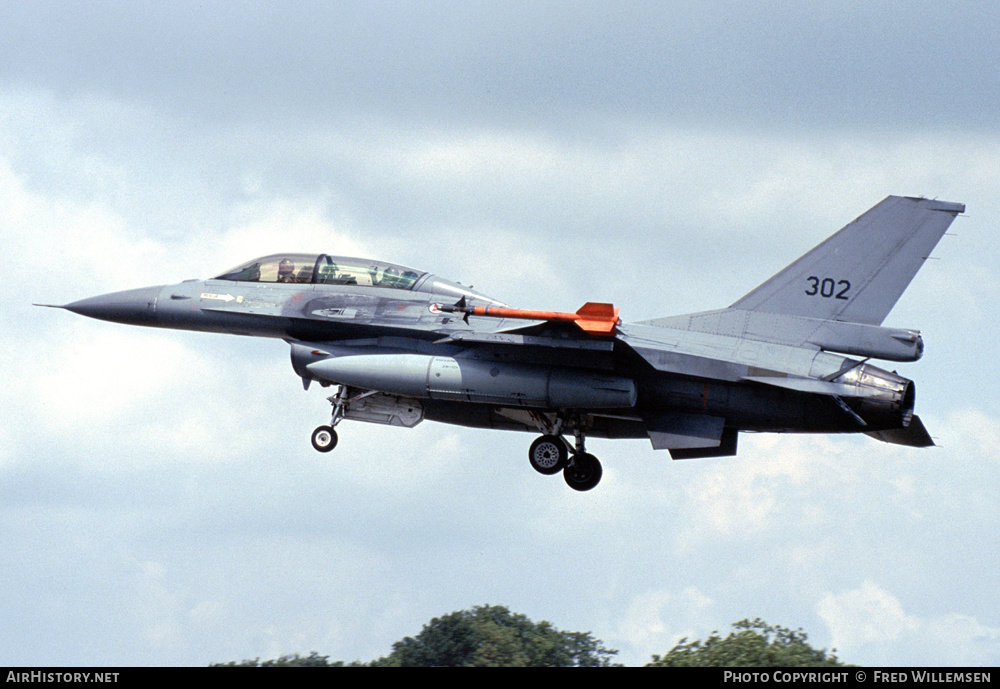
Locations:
{"points": [[133, 306]]}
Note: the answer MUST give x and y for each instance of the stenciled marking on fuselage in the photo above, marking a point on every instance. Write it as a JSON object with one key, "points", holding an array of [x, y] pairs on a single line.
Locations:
{"points": [[828, 287], [222, 297], [336, 313]]}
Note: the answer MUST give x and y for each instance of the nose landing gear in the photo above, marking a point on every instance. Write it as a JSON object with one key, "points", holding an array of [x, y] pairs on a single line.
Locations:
{"points": [[324, 438]]}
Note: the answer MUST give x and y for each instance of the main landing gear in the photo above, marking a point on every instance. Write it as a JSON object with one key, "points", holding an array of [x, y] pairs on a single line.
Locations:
{"points": [[550, 454]]}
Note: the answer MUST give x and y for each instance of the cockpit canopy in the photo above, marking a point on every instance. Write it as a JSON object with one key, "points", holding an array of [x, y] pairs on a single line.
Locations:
{"points": [[323, 269]]}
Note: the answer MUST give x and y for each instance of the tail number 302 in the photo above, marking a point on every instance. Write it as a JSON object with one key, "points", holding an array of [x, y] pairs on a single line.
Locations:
{"points": [[828, 288]]}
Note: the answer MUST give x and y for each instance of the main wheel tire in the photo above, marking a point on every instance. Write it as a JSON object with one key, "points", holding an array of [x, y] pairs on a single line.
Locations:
{"points": [[548, 454], [584, 472], [324, 438]]}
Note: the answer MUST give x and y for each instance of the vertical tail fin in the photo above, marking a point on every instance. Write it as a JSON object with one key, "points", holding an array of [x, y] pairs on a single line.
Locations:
{"points": [[859, 273]]}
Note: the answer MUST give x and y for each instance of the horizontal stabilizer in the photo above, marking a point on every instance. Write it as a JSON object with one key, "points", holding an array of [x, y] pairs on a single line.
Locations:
{"points": [[914, 435]]}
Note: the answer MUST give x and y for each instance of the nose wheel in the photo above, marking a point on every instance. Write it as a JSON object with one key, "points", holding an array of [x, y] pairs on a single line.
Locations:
{"points": [[324, 438]]}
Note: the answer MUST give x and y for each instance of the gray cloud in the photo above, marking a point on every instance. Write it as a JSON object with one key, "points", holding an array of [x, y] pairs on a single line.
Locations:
{"points": [[779, 65], [160, 500]]}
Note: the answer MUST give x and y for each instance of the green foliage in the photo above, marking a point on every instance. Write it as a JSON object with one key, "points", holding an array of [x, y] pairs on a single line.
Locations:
{"points": [[753, 644], [492, 636], [312, 660]]}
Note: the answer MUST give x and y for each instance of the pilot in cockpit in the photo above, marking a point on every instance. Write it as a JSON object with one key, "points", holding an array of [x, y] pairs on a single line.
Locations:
{"points": [[390, 277], [286, 271]]}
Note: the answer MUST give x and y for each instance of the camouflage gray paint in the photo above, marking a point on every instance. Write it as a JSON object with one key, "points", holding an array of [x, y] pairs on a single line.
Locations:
{"points": [[403, 346]]}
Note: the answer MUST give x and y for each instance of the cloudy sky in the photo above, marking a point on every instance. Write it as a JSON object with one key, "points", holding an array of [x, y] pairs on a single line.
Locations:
{"points": [[160, 503]]}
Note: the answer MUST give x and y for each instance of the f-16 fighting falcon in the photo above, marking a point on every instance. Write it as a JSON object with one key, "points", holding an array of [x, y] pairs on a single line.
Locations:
{"points": [[402, 346]]}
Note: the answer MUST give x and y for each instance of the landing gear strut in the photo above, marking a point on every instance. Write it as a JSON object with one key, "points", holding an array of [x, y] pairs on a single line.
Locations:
{"points": [[550, 454], [324, 438]]}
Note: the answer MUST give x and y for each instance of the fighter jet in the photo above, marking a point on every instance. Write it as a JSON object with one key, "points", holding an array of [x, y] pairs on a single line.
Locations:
{"points": [[402, 346]]}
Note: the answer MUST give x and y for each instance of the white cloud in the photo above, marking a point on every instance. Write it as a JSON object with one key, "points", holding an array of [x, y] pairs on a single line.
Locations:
{"points": [[864, 615], [766, 484], [977, 433], [868, 621], [275, 224], [54, 245], [961, 640], [725, 502], [656, 620]]}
